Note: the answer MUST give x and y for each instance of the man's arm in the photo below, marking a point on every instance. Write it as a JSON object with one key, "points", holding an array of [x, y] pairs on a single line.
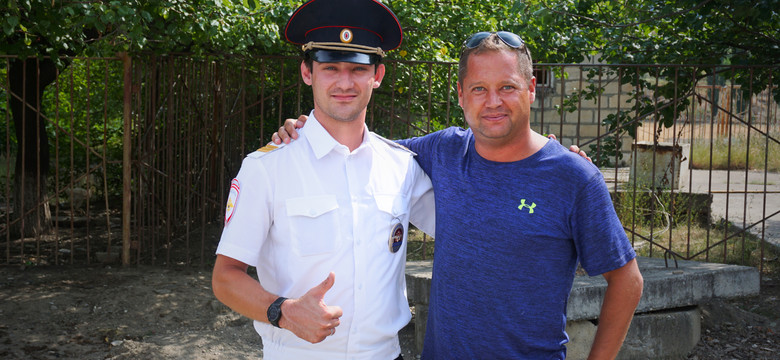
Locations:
{"points": [[289, 132], [624, 289], [307, 317]]}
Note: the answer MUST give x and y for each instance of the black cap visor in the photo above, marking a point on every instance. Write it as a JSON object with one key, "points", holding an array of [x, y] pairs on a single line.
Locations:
{"points": [[331, 56]]}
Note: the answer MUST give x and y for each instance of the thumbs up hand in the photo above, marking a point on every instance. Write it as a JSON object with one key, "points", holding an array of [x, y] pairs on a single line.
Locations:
{"points": [[308, 317]]}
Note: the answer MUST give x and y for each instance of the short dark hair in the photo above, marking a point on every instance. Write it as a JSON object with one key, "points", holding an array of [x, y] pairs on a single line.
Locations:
{"points": [[494, 44], [310, 63]]}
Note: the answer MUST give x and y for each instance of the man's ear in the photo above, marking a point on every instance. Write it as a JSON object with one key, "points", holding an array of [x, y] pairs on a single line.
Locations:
{"points": [[305, 73], [460, 95], [379, 75]]}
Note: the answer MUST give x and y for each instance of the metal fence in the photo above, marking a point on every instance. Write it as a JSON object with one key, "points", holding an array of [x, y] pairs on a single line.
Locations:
{"points": [[141, 151]]}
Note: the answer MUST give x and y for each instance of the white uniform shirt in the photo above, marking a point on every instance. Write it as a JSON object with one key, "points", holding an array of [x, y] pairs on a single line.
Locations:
{"points": [[311, 207]]}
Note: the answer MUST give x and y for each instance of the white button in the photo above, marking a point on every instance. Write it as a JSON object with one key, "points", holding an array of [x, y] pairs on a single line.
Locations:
{"points": [[312, 212]]}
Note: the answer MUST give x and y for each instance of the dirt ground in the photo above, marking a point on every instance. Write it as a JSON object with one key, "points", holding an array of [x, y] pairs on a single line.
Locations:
{"points": [[109, 312], [120, 313]]}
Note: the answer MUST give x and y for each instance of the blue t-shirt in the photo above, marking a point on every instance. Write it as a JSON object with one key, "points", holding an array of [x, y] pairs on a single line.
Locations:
{"points": [[508, 239]]}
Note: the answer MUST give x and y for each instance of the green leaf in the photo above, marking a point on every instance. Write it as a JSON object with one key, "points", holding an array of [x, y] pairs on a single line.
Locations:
{"points": [[12, 20], [10, 24]]}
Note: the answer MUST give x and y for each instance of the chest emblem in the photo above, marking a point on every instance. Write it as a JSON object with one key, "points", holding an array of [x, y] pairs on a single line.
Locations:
{"points": [[526, 206], [396, 238]]}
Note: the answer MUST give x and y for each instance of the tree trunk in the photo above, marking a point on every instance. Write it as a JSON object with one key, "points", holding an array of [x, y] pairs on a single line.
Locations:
{"points": [[28, 79]]}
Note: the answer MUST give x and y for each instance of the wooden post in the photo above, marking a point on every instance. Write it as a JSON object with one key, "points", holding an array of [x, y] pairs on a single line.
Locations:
{"points": [[126, 149]]}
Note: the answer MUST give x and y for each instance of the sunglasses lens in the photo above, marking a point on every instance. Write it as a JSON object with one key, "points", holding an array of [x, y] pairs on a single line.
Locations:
{"points": [[510, 39], [507, 37], [475, 39]]}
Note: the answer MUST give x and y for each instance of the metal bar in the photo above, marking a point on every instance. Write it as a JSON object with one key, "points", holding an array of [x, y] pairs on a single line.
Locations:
{"points": [[127, 196]]}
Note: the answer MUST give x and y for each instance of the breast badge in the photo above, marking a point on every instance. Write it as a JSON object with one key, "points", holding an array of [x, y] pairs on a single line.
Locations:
{"points": [[396, 237]]}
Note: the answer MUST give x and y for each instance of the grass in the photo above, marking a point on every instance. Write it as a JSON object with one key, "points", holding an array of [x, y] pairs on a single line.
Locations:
{"points": [[701, 244], [758, 150], [686, 230]]}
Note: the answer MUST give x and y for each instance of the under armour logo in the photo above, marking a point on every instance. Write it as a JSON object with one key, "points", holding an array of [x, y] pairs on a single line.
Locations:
{"points": [[524, 205]]}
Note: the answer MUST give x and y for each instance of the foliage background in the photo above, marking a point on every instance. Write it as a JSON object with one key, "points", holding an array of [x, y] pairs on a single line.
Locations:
{"points": [[727, 32]]}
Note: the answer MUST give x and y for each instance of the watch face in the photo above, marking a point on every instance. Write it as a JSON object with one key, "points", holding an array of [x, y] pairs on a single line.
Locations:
{"points": [[273, 313]]}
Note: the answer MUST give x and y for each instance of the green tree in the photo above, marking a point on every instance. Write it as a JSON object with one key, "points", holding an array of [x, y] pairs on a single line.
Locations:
{"points": [[706, 32], [41, 31], [684, 32], [715, 32]]}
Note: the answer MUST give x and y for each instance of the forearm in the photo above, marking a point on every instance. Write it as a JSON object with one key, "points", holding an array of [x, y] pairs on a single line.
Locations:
{"points": [[624, 291], [308, 317], [239, 291]]}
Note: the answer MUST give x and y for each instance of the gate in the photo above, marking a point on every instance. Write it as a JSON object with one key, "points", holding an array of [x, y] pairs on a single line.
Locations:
{"points": [[171, 131]]}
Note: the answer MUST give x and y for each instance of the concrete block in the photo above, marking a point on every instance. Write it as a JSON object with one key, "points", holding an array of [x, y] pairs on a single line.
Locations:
{"points": [[420, 312], [664, 165], [688, 284], [649, 336], [418, 281], [669, 286], [581, 334], [418, 289]]}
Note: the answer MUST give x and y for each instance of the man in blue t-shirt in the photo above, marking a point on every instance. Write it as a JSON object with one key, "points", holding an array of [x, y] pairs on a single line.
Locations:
{"points": [[515, 213]]}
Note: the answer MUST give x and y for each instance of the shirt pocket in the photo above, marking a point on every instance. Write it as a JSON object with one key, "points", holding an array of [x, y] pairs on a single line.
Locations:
{"points": [[314, 224]]}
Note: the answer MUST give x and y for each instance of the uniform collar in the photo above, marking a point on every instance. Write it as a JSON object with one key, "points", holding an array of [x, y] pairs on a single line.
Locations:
{"points": [[320, 140]]}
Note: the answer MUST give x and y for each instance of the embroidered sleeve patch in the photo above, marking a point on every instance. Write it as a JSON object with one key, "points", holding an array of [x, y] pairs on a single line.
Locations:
{"points": [[232, 201]]}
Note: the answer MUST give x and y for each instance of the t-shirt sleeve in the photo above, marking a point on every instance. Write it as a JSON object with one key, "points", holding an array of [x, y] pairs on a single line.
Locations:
{"points": [[601, 241], [424, 147]]}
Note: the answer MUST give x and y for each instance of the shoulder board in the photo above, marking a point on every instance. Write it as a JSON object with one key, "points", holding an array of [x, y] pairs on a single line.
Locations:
{"points": [[270, 147], [393, 144]]}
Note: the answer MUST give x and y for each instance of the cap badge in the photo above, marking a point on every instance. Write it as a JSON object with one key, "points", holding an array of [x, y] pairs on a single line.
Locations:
{"points": [[346, 36]]}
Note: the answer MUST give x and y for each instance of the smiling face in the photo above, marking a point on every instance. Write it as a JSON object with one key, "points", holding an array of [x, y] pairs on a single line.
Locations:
{"points": [[342, 90], [496, 98]]}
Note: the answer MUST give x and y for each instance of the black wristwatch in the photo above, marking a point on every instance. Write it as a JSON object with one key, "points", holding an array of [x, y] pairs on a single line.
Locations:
{"points": [[275, 311]]}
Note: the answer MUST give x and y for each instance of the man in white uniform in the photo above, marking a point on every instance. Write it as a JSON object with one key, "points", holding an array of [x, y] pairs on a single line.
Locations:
{"points": [[325, 219]]}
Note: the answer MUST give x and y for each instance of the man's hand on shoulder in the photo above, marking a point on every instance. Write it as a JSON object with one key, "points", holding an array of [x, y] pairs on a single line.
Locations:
{"points": [[574, 149], [288, 132]]}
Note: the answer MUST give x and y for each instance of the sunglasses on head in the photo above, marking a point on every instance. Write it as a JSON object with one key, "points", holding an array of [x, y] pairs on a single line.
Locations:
{"points": [[510, 39]]}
